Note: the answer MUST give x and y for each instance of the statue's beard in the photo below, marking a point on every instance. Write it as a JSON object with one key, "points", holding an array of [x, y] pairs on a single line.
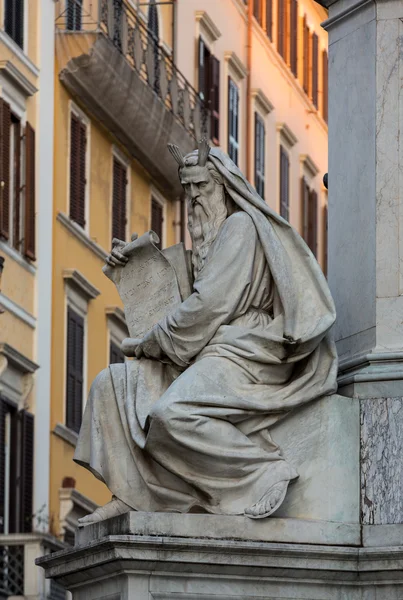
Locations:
{"points": [[204, 222]]}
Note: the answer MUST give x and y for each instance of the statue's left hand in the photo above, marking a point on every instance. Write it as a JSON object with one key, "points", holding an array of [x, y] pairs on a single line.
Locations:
{"points": [[146, 346], [132, 346]]}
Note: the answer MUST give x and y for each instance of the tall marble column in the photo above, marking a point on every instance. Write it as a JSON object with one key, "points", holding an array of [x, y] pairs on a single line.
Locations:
{"points": [[366, 192], [366, 234]]}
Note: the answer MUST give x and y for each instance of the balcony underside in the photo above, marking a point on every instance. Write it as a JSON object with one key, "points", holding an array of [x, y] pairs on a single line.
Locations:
{"points": [[101, 80]]}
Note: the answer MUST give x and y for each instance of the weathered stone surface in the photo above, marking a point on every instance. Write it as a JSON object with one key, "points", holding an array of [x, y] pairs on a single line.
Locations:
{"points": [[382, 461]]}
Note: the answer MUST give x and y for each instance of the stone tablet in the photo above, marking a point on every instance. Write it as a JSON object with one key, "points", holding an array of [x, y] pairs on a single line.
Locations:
{"points": [[152, 284]]}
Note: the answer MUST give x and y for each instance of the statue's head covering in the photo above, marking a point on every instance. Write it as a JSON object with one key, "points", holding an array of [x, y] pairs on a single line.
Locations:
{"points": [[303, 294]]}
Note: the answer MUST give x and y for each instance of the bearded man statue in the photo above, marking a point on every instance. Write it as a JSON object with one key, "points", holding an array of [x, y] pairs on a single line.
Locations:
{"points": [[185, 427]]}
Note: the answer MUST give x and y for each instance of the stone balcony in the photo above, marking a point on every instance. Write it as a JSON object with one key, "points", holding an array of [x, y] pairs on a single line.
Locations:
{"points": [[115, 68]]}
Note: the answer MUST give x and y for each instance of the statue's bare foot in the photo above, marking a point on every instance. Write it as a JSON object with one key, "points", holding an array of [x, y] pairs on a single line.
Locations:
{"points": [[269, 503], [112, 509]]}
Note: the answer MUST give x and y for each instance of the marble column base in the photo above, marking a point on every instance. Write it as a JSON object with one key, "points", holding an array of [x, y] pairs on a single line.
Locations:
{"points": [[112, 562]]}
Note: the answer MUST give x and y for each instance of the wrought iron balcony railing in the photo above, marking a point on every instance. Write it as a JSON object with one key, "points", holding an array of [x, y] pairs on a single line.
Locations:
{"points": [[127, 31]]}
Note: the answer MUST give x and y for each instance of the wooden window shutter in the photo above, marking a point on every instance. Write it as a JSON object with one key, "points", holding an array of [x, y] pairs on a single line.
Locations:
{"points": [[14, 20], [3, 411], [115, 354], [269, 19], [294, 37], [284, 184], [325, 84], [157, 219], [26, 471], [16, 128], [75, 369], [315, 69], [119, 219], [5, 123], [281, 27], [78, 182], [305, 30], [257, 11], [202, 76], [29, 235], [215, 99], [312, 237]]}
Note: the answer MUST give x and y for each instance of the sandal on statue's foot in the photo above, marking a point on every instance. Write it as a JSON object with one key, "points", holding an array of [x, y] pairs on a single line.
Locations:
{"points": [[269, 503], [112, 509]]}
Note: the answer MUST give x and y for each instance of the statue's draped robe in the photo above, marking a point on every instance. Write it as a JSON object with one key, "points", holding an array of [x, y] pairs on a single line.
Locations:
{"points": [[166, 442], [167, 439]]}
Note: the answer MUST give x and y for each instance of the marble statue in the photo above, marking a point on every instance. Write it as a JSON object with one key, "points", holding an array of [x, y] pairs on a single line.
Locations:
{"points": [[185, 426]]}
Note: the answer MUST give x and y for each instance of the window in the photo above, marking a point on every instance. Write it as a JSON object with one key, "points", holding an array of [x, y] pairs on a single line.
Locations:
{"points": [[284, 184], [14, 20], [269, 19], [157, 219], [152, 23], [315, 68], [74, 370], [209, 86], [281, 28], [17, 193], [16, 468], [78, 179], [294, 37], [309, 209], [233, 120], [325, 85], [325, 236], [74, 15], [119, 218], [259, 154], [115, 354], [305, 31]]}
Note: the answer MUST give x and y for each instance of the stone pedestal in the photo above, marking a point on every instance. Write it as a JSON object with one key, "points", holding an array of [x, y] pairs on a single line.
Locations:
{"points": [[366, 193], [144, 556]]}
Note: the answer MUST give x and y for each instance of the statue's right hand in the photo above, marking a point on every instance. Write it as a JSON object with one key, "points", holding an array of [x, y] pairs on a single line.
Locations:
{"points": [[117, 257]]}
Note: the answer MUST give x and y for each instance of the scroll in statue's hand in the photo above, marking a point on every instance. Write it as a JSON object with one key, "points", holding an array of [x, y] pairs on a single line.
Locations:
{"points": [[117, 257]]}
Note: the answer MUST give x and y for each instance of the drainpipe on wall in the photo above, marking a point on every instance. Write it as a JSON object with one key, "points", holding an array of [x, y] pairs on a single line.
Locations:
{"points": [[248, 91]]}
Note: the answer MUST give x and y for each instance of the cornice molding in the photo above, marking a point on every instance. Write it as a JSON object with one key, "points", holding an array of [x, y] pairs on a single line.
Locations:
{"points": [[309, 164], [18, 360], [347, 12], [116, 314], [287, 134], [9, 71], [76, 279], [205, 21], [236, 64], [262, 101]]}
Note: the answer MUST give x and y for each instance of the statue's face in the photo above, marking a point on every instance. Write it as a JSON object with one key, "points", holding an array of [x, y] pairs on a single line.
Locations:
{"points": [[198, 184]]}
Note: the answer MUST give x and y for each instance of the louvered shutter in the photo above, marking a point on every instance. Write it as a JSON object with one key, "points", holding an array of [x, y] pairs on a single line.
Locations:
{"points": [[269, 19], [281, 26], [115, 354], [3, 411], [294, 37], [284, 184], [14, 20], [157, 219], [17, 183], [313, 221], [26, 470], [325, 84], [259, 154], [257, 12], [75, 368], [119, 200], [202, 76], [315, 69], [5, 122], [29, 233], [215, 99], [78, 182], [305, 30]]}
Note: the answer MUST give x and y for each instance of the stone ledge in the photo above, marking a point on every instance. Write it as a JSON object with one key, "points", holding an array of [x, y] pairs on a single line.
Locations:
{"points": [[223, 527]]}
